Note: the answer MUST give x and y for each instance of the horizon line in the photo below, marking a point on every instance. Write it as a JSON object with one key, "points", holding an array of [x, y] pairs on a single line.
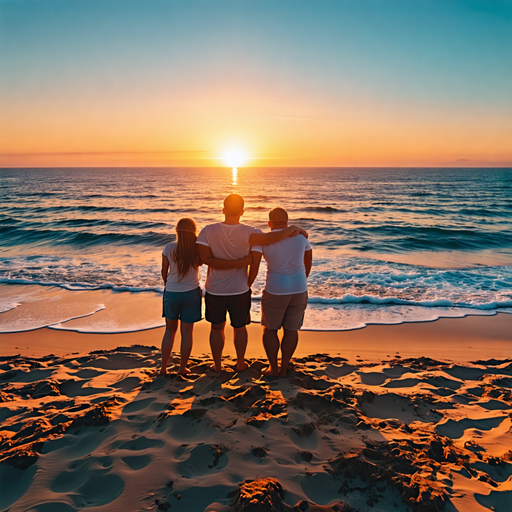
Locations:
{"points": [[438, 166]]}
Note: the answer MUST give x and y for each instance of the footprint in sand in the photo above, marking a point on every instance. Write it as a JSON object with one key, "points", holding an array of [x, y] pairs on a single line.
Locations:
{"points": [[141, 443], [87, 373], [202, 460], [372, 378], [88, 483], [78, 388], [136, 462], [499, 501], [454, 429], [139, 405]]}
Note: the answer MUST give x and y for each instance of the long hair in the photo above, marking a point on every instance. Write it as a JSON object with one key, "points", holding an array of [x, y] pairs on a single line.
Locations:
{"points": [[185, 255]]}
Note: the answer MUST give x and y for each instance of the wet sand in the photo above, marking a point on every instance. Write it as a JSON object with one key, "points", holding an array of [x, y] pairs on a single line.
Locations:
{"points": [[461, 339]]}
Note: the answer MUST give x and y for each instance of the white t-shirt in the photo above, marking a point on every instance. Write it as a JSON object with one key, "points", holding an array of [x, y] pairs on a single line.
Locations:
{"points": [[286, 273], [227, 242], [190, 281]]}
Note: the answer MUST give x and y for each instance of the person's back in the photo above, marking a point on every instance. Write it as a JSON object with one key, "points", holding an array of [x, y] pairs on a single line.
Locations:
{"points": [[182, 294], [285, 297], [227, 242], [226, 248], [286, 272], [176, 282]]}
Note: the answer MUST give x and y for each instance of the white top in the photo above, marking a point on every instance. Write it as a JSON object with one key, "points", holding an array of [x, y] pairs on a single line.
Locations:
{"points": [[227, 242], [286, 273], [190, 281]]}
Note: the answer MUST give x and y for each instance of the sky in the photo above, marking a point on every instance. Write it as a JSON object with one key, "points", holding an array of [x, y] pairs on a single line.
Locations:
{"points": [[286, 82]]}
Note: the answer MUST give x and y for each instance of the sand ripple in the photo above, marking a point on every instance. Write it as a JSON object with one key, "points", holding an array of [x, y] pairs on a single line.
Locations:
{"points": [[103, 430]]}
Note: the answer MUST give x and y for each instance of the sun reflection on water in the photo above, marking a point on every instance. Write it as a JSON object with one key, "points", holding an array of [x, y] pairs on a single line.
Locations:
{"points": [[235, 175]]}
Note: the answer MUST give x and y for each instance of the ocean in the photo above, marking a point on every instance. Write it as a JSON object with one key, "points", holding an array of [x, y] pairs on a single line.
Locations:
{"points": [[80, 248]]}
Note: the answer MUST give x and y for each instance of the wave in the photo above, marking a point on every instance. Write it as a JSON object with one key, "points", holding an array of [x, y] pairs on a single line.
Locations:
{"points": [[62, 327], [316, 319], [393, 238], [433, 210], [9, 221], [372, 299], [106, 222], [7, 306], [78, 286], [431, 316], [345, 299], [40, 194], [41, 325], [121, 196], [12, 236], [324, 209], [96, 209]]}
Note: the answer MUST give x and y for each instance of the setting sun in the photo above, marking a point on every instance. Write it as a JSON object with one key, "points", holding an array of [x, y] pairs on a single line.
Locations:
{"points": [[234, 158]]}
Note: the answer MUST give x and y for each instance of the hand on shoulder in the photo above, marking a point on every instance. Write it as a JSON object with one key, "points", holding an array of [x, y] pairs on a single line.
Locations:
{"points": [[299, 231]]}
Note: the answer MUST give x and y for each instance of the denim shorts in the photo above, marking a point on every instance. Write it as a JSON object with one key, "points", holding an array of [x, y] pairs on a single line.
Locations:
{"points": [[184, 306]]}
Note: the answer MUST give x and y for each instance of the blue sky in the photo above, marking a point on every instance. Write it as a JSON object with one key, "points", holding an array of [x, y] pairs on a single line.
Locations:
{"points": [[310, 59]]}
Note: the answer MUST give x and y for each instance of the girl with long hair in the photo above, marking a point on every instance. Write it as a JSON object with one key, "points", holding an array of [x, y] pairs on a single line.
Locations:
{"points": [[182, 294]]}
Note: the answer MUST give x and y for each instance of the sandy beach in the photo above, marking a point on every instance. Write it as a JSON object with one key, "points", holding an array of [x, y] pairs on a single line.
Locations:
{"points": [[406, 417], [340, 167]]}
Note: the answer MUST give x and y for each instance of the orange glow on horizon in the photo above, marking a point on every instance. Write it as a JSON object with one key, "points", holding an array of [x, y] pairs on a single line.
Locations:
{"points": [[234, 158], [192, 134]]}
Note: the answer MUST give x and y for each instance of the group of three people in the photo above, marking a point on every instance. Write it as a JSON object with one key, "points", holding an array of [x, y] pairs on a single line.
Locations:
{"points": [[229, 248]]}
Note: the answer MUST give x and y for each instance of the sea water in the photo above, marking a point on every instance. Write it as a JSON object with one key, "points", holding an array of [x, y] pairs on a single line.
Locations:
{"points": [[80, 248]]}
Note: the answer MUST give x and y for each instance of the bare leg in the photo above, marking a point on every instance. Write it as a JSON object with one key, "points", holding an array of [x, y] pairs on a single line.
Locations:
{"points": [[186, 346], [171, 326], [288, 346], [217, 339], [271, 344], [240, 340]]}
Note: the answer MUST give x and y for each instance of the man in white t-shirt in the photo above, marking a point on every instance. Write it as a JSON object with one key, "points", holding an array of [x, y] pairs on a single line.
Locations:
{"points": [[227, 288], [285, 296]]}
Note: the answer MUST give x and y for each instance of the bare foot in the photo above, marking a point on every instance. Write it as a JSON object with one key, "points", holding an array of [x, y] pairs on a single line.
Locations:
{"points": [[185, 371], [215, 369], [282, 372], [240, 367], [163, 371], [270, 373]]}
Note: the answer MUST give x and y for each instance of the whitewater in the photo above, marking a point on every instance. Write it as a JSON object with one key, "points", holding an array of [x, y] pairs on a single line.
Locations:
{"points": [[80, 249]]}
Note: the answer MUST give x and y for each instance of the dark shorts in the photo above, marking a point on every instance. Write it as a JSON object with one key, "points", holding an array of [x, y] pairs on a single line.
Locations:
{"points": [[238, 307], [184, 306]]}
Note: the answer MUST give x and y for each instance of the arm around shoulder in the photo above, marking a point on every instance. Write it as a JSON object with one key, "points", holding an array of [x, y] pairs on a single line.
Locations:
{"points": [[273, 237], [254, 268], [205, 253]]}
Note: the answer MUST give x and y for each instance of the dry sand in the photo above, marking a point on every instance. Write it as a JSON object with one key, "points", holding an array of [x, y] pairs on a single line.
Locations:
{"points": [[409, 417]]}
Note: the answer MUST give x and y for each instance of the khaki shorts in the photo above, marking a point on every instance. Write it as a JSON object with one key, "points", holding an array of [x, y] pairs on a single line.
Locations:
{"points": [[283, 310]]}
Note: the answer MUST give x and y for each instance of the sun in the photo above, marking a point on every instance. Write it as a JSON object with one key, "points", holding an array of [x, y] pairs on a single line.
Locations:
{"points": [[234, 158]]}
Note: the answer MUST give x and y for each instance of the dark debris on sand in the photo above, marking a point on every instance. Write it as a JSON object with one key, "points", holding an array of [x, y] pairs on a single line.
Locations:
{"points": [[414, 463], [267, 495], [400, 463]]}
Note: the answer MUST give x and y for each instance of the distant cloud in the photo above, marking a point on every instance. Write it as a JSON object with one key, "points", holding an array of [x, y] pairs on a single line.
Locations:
{"points": [[468, 162]]}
